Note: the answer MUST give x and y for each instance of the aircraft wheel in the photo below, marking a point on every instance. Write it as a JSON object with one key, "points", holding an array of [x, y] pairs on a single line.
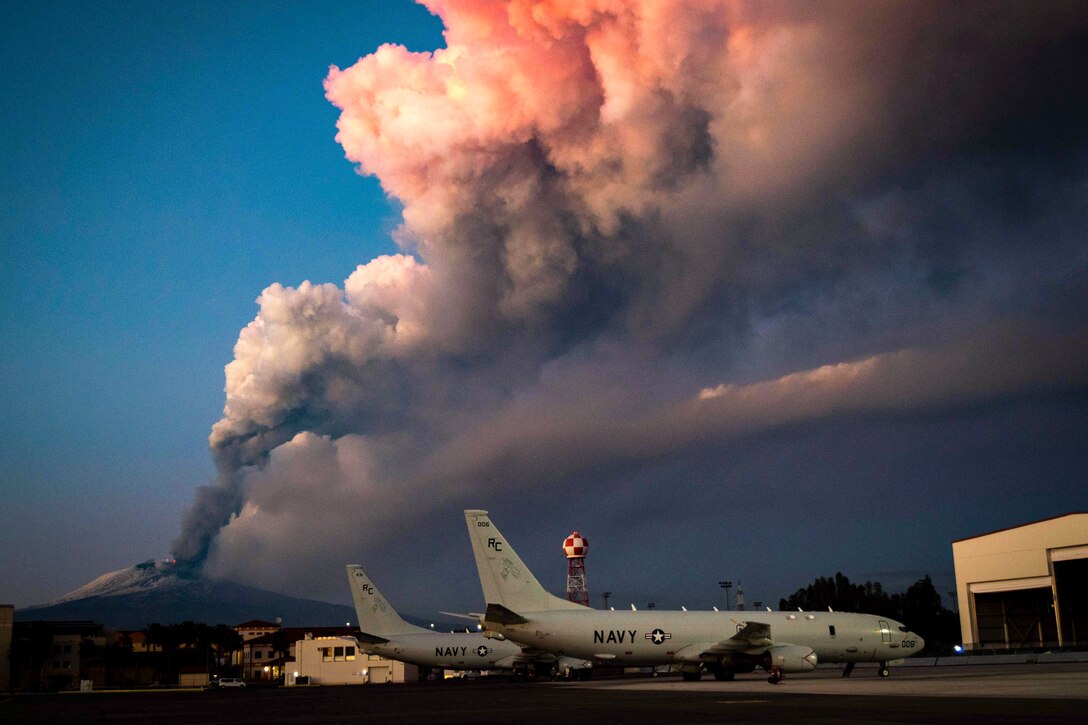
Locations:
{"points": [[884, 672], [774, 679], [726, 674]]}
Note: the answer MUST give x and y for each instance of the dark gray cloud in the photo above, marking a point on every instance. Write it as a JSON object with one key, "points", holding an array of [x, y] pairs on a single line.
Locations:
{"points": [[635, 237]]}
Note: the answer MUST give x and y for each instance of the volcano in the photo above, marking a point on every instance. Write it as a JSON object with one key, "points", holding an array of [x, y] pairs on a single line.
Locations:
{"points": [[158, 591]]}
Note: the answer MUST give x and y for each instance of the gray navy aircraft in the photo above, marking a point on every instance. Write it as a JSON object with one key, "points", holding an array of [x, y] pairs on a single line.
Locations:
{"points": [[385, 633], [720, 642]]}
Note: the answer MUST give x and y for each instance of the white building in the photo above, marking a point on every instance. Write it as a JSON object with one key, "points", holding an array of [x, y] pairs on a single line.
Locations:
{"points": [[1026, 586], [338, 661]]}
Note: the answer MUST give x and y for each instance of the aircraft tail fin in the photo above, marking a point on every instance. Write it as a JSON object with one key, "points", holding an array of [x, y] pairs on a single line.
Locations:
{"points": [[505, 579], [376, 615]]}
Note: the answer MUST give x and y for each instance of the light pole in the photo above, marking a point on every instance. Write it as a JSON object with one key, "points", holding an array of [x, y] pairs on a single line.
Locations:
{"points": [[726, 586], [607, 596]]}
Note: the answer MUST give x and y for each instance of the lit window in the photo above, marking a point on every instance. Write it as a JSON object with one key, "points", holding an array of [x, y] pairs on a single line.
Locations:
{"points": [[326, 654], [338, 654], [349, 654]]}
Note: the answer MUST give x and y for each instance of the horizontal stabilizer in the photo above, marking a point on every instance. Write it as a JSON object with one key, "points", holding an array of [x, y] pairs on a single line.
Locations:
{"points": [[474, 616], [370, 638], [499, 614]]}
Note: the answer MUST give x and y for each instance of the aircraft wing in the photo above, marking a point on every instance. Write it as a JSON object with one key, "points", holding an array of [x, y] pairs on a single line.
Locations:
{"points": [[533, 654], [750, 637]]}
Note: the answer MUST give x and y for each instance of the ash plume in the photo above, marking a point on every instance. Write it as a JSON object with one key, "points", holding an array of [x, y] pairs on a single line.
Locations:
{"points": [[635, 228]]}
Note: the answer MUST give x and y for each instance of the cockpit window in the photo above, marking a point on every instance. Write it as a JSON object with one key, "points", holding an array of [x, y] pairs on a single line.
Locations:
{"points": [[903, 629]]}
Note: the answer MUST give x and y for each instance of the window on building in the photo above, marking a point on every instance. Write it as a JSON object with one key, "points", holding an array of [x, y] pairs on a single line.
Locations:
{"points": [[326, 654], [257, 654], [338, 654], [831, 629], [373, 658], [67, 649], [349, 654], [66, 664]]}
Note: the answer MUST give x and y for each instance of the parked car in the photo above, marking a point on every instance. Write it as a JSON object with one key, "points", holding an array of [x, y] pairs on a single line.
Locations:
{"points": [[228, 682]]}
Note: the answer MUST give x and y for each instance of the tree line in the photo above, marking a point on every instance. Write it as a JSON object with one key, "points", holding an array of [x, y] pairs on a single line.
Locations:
{"points": [[919, 607]]}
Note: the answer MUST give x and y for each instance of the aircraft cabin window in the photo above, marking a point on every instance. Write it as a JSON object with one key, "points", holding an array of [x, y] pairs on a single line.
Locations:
{"points": [[903, 629], [831, 629]]}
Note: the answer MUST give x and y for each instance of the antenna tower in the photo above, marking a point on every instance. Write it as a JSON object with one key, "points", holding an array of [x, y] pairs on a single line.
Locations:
{"points": [[575, 547]]}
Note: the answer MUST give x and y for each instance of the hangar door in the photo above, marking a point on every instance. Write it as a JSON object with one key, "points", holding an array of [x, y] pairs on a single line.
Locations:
{"points": [[1071, 581], [1014, 618]]}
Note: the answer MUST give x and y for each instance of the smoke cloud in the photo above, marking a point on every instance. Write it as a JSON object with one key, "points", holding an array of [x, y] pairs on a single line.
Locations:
{"points": [[631, 229]]}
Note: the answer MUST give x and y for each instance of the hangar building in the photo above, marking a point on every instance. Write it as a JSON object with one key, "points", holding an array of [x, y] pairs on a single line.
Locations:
{"points": [[1025, 586]]}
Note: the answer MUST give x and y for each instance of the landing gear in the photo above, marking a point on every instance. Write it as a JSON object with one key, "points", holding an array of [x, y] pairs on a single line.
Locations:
{"points": [[849, 669], [722, 673], [884, 672], [776, 675]]}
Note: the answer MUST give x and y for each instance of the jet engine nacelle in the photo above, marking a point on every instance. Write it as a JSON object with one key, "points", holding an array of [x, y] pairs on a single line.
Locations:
{"points": [[790, 658]]}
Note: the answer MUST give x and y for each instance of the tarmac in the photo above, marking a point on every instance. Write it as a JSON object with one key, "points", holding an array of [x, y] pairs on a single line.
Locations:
{"points": [[1021, 693]]}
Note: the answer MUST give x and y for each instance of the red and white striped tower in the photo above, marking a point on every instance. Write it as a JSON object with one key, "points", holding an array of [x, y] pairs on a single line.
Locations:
{"points": [[575, 547]]}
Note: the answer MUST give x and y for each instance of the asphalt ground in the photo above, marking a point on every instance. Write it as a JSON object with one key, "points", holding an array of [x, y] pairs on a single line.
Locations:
{"points": [[1022, 694]]}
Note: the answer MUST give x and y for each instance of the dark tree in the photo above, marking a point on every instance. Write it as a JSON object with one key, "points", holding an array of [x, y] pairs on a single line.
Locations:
{"points": [[919, 607]]}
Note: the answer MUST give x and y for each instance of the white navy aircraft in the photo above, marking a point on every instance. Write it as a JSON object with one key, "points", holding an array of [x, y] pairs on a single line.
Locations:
{"points": [[384, 632], [721, 642]]}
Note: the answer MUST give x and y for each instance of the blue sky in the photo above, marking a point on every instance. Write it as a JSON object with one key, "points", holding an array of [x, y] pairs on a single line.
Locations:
{"points": [[163, 163], [748, 295]]}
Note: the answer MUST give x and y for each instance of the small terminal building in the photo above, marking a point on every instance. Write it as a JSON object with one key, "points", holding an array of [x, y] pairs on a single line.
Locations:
{"points": [[1026, 586], [337, 660]]}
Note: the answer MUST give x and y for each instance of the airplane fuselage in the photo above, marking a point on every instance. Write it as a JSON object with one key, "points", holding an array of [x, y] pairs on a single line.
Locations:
{"points": [[455, 650], [664, 637]]}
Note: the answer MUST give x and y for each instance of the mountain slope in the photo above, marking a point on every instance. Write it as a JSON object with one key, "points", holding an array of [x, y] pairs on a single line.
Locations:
{"points": [[151, 591]]}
